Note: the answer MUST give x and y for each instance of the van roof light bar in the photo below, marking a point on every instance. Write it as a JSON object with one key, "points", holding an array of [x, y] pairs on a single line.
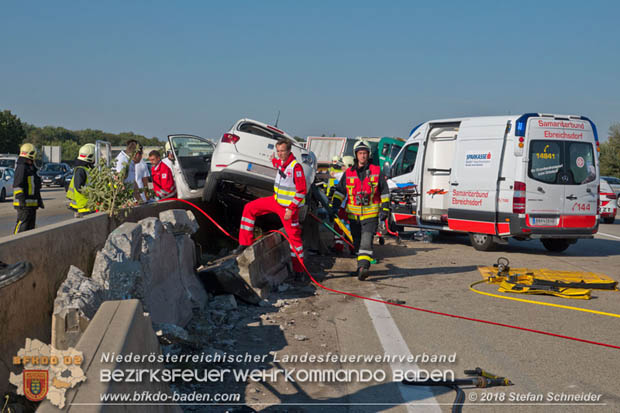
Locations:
{"points": [[415, 128], [593, 128], [522, 123]]}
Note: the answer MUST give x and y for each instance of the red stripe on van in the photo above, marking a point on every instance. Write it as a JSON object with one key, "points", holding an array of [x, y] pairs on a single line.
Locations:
{"points": [[466, 225], [503, 227], [405, 219], [577, 221]]}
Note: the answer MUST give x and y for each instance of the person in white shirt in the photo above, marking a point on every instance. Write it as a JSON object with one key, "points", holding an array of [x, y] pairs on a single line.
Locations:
{"points": [[125, 166], [169, 159], [142, 173]]}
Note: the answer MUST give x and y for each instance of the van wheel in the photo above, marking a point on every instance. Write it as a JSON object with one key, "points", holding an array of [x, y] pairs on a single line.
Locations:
{"points": [[482, 242], [609, 220], [210, 187], [555, 244]]}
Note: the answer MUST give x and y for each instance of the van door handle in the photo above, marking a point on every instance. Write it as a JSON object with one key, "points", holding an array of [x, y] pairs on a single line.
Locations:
{"points": [[541, 190], [454, 183], [571, 197]]}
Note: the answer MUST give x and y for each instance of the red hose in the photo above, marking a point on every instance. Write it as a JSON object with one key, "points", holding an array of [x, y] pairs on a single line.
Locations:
{"points": [[406, 306]]}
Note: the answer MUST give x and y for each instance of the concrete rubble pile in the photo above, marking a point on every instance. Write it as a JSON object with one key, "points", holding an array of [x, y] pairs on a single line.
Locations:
{"points": [[153, 260]]}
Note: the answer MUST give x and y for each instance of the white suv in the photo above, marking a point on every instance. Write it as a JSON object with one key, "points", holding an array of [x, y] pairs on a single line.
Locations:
{"points": [[243, 156]]}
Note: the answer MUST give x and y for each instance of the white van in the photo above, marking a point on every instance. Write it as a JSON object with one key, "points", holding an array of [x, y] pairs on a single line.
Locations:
{"points": [[529, 176]]}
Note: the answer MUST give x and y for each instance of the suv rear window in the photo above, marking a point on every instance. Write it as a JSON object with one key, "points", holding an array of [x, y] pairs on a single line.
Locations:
{"points": [[561, 162], [258, 130]]}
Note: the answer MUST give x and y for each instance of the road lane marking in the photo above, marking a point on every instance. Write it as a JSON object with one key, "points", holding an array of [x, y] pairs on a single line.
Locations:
{"points": [[608, 235], [394, 344]]}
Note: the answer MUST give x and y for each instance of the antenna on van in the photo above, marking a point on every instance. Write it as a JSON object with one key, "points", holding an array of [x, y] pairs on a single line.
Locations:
{"points": [[277, 119]]}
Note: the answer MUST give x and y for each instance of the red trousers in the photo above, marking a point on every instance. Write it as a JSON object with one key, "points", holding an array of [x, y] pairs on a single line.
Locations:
{"points": [[268, 205]]}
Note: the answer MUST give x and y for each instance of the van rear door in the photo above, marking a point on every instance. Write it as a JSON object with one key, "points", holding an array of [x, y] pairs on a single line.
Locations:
{"points": [[561, 181]]}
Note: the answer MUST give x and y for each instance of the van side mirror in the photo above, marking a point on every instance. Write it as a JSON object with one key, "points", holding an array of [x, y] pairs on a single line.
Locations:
{"points": [[387, 169]]}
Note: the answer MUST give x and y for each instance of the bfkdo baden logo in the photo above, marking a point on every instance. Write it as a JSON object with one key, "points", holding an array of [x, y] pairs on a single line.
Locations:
{"points": [[47, 372], [35, 384]]}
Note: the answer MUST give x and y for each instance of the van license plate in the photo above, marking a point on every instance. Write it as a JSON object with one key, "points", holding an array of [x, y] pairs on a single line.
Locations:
{"points": [[544, 222]]}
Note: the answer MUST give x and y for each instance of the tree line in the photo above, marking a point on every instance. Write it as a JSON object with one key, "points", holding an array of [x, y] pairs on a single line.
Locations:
{"points": [[14, 132]]}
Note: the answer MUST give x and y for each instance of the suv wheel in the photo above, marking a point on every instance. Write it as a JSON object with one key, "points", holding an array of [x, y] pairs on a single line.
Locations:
{"points": [[482, 242], [210, 186], [555, 244]]}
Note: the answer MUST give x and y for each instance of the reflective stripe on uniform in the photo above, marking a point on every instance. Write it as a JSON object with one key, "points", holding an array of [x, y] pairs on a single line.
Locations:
{"points": [[17, 227], [245, 227], [31, 185], [385, 198], [364, 258], [285, 191], [364, 252], [248, 220]]}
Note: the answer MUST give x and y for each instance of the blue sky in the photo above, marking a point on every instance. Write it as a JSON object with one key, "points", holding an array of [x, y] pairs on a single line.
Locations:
{"points": [[349, 68]]}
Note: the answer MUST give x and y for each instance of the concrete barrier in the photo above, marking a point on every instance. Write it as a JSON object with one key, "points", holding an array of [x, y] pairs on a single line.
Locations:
{"points": [[118, 327], [27, 305]]}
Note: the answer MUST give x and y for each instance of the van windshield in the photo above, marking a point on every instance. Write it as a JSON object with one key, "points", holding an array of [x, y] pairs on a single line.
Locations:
{"points": [[7, 163], [561, 162]]}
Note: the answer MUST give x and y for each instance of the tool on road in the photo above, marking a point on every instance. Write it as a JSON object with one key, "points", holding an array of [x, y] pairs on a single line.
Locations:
{"points": [[565, 284], [543, 281], [480, 379]]}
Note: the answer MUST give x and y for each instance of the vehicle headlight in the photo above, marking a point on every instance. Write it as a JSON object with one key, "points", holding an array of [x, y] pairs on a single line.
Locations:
{"points": [[58, 177]]}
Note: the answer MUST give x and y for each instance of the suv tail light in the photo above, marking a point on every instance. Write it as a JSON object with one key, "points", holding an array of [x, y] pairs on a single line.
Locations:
{"points": [[612, 196], [518, 198], [230, 138]]}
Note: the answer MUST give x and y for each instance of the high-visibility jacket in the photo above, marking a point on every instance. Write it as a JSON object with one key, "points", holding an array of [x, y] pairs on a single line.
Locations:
{"points": [[365, 195], [335, 174], [289, 186], [26, 185], [78, 200]]}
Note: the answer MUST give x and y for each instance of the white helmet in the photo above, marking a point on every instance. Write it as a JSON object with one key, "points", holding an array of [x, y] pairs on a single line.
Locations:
{"points": [[361, 145], [28, 150], [87, 153], [348, 161], [167, 147]]}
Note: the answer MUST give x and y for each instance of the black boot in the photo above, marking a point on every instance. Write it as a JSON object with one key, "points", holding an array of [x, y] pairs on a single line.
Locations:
{"points": [[239, 250], [362, 273]]}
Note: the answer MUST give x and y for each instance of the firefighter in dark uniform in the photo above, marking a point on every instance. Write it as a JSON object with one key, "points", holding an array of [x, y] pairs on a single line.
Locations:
{"points": [[26, 189], [81, 172], [364, 189]]}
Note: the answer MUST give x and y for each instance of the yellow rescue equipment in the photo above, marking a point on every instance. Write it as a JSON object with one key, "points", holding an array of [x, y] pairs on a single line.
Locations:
{"points": [[558, 283], [565, 284]]}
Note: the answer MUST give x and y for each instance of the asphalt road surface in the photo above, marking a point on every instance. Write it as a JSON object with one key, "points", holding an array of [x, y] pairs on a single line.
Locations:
{"points": [[55, 210], [549, 373]]}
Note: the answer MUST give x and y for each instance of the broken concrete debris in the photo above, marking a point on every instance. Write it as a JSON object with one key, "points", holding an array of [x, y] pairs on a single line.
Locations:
{"points": [[254, 274], [76, 303], [153, 260]]}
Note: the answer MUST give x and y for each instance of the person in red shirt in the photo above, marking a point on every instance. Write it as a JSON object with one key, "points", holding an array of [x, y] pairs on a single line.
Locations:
{"points": [[163, 180], [289, 194]]}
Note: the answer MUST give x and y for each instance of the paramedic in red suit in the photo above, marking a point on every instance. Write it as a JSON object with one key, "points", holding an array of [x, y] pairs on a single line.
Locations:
{"points": [[163, 181], [289, 195]]}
